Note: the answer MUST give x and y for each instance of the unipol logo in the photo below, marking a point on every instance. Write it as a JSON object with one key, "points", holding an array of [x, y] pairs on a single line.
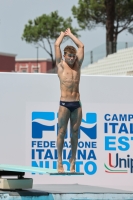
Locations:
{"points": [[44, 148], [48, 121]]}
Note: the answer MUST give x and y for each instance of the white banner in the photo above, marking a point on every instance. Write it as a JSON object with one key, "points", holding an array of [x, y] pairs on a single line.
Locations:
{"points": [[104, 146]]}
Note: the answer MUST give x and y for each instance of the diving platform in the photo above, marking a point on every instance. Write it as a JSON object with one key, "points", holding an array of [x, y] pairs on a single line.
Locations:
{"points": [[19, 171]]}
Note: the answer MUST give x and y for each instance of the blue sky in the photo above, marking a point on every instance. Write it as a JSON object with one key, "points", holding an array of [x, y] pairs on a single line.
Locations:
{"points": [[14, 14]]}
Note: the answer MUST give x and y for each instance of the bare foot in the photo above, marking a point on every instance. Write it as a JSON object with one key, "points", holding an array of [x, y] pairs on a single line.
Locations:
{"points": [[60, 167], [72, 165]]}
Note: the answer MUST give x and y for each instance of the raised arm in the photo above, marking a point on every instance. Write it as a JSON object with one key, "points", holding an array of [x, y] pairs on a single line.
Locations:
{"points": [[58, 55], [79, 44]]}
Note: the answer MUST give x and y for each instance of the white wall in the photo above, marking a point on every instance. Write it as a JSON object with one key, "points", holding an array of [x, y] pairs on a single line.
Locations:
{"points": [[21, 94]]}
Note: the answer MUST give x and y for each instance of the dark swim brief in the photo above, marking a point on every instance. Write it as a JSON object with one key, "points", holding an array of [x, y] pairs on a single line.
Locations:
{"points": [[71, 105]]}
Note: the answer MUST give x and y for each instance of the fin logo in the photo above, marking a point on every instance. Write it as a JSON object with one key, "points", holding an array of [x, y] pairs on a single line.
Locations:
{"points": [[48, 121], [89, 126]]}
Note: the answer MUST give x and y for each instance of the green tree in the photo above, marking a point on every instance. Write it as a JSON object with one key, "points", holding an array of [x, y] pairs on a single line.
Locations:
{"points": [[47, 28], [110, 18], [115, 15]]}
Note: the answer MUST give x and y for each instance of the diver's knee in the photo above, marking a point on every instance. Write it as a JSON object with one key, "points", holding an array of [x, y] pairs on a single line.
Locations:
{"points": [[61, 134], [75, 133]]}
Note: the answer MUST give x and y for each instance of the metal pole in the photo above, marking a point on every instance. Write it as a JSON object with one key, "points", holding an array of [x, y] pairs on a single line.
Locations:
{"points": [[37, 59], [126, 45], [91, 54]]}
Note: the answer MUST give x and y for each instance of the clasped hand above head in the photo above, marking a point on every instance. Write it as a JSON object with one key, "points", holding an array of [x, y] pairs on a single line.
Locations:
{"points": [[67, 32]]}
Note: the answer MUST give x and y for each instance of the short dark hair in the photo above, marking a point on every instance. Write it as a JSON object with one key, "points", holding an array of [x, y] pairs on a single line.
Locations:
{"points": [[70, 49]]}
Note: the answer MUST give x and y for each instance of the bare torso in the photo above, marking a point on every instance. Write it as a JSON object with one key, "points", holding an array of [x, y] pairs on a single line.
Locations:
{"points": [[69, 81]]}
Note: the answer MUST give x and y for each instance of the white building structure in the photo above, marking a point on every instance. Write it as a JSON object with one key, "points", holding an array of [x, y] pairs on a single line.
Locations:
{"points": [[120, 63]]}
